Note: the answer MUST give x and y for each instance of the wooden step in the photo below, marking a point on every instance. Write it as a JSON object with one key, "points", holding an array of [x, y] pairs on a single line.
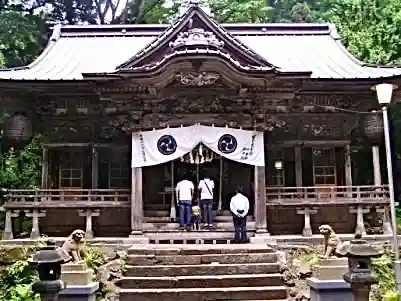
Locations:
{"points": [[166, 213], [166, 226], [201, 259], [202, 294], [166, 219], [249, 280], [205, 269]]}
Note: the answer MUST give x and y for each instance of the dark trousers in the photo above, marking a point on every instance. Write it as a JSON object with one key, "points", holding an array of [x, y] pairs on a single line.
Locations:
{"points": [[185, 213], [240, 229], [207, 211]]}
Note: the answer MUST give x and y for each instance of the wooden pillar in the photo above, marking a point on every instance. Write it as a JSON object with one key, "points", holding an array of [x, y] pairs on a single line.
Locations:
{"points": [[89, 214], [377, 177], [95, 168], [298, 166], [260, 200], [35, 214], [8, 224], [348, 165], [136, 201], [45, 167]]}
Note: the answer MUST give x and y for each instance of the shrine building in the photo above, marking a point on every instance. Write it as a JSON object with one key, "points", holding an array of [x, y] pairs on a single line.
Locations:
{"points": [[125, 111]]}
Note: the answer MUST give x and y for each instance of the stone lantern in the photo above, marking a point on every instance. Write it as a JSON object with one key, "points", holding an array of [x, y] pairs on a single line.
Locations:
{"points": [[48, 263], [373, 127], [361, 274]]}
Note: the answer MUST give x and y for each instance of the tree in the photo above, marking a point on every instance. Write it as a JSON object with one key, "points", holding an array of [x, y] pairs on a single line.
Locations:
{"points": [[21, 39], [149, 12], [370, 29], [242, 11], [301, 13]]}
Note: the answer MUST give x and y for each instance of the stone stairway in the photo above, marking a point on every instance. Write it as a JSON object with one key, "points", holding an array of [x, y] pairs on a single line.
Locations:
{"points": [[202, 273]]}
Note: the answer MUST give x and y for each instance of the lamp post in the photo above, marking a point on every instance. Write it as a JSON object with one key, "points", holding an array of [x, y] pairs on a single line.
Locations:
{"points": [[278, 165], [384, 93]]}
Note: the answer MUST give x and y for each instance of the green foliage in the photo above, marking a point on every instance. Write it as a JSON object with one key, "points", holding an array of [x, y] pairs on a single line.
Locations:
{"points": [[23, 292], [391, 296], [384, 269], [243, 11], [21, 40], [21, 168], [94, 257], [370, 29], [16, 278]]}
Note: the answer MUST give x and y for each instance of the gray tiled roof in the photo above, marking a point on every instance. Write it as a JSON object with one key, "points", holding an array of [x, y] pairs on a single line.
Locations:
{"points": [[74, 50]]}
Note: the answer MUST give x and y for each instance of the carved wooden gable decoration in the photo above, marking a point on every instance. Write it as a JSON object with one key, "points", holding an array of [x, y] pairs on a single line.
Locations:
{"points": [[197, 52], [194, 35]]}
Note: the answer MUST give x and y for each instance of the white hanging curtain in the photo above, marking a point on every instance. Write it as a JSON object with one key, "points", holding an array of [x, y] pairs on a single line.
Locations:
{"points": [[235, 144], [160, 146]]}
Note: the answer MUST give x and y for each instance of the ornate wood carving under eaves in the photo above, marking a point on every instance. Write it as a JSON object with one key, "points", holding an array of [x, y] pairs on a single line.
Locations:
{"points": [[193, 79], [196, 37], [336, 126], [324, 103]]}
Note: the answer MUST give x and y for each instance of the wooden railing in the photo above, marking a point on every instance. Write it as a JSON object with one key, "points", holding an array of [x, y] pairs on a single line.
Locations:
{"points": [[72, 195], [327, 194], [35, 204]]}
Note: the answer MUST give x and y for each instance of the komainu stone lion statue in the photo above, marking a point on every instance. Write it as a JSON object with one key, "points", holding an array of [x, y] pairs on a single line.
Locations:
{"points": [[72, 249], [333, 245]]}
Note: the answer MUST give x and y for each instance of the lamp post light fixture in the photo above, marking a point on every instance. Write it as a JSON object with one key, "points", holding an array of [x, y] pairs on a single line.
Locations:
{"points": [[278, 165], [384, 94]]}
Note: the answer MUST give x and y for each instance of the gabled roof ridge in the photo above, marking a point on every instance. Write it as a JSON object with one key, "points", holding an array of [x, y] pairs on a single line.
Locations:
{"points": [[158, 40], [238, 42], [213, 26], [265, 27]]}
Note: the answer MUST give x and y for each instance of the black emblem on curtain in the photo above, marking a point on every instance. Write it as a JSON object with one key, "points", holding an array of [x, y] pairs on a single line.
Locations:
{"points": [[167, 145], [227, 144]]}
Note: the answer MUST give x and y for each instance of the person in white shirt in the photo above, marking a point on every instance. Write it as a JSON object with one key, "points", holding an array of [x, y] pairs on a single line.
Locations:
{"points": [[239, 207], [184, 193], [206, 187]]}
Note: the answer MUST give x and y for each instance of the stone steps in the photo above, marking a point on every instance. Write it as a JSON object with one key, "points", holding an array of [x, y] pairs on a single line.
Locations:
{"points": [[197, 250], [201, 259], [244, 280], [203, 294], [210, 269], [201, 273]]}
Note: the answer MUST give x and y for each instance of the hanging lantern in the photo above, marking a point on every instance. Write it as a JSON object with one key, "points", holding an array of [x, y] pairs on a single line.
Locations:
{"points": [[19, 128], [373, 127]]}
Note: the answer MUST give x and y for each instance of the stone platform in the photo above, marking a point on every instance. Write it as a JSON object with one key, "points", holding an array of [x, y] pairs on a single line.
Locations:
{"points": [[207, 237], [202, 272]]}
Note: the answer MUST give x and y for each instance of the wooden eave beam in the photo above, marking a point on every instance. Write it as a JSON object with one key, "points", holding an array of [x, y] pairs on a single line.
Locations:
{"points": [[82, 145], [308, 143]]}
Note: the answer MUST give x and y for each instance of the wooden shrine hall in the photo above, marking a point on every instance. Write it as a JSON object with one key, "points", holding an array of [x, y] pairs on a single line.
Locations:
{"points": [[126, 110]]}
